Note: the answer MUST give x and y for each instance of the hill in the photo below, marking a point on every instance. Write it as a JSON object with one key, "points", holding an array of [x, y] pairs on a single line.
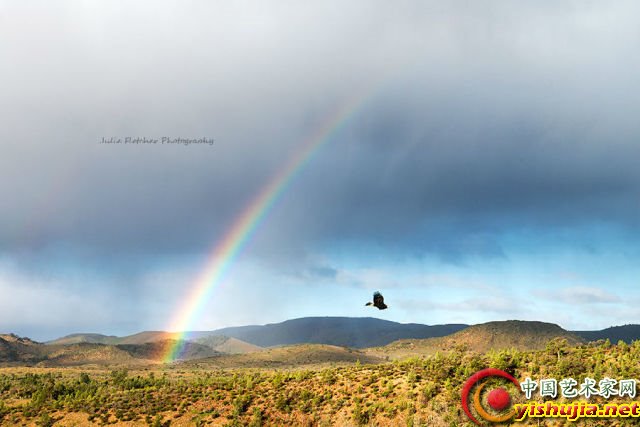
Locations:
{"points": [[227, 345], [139, 338], [158, 349], [510, 334], [148, 337], [83, 354], [340, 331], [289, 357], [139, 343], [23, 351], [85, 338], [518, 334], [16, 351]]}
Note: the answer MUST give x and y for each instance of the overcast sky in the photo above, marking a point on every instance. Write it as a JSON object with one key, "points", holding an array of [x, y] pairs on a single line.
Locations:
{"points": [[488, 171]]}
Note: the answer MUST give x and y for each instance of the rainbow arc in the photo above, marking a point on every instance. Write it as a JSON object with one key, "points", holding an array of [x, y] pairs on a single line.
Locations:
{"points": [[230, 246]]}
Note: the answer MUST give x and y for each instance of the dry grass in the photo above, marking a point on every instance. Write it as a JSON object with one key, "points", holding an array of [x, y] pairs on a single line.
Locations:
{"points": [[420, 391]]}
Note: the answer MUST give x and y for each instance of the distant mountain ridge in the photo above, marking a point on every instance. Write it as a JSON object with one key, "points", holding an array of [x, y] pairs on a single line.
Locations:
{"points": [[300, 341], [359, 332], [626, 333], [355, 332]]}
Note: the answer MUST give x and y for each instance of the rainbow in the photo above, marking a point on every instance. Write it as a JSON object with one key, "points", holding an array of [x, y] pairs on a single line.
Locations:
{"points": [[227, 250]]}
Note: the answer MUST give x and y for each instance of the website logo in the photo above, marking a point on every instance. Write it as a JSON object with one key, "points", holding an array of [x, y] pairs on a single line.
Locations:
{"points": [[498, 399]]}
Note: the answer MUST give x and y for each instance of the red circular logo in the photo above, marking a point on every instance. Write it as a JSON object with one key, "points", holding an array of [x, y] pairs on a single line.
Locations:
{"points": [[498, 399]]}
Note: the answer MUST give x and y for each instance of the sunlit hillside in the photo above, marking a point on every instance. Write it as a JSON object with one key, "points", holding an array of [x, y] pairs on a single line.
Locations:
{"points": [[421, 391]]}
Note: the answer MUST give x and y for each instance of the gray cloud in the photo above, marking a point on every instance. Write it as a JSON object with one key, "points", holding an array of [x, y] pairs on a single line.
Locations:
{"points": [[489, 118]]}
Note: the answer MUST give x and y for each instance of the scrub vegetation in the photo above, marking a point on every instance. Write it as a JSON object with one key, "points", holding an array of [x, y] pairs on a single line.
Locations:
{"points": [[423, 390]]}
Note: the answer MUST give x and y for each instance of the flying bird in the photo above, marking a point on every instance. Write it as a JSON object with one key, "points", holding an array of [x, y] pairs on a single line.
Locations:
{"points": [[378, 301]]}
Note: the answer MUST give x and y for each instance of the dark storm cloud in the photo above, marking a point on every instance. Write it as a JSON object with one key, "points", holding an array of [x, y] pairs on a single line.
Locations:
{"points": [[488, 119], [455, 183]]}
